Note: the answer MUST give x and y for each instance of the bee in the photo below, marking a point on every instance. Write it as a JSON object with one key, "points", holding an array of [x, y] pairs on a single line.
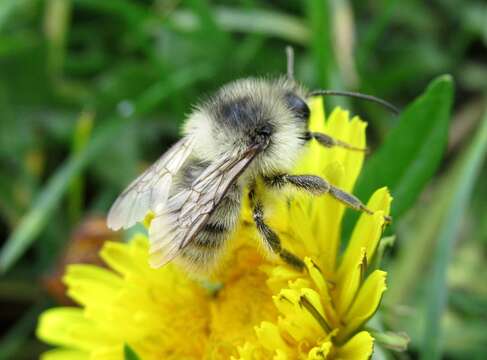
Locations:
{"points": [[251, 130]]}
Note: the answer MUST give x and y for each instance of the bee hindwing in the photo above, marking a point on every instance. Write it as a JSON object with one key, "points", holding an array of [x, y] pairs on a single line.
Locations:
{"points": [[150, 189], [182, 217]]}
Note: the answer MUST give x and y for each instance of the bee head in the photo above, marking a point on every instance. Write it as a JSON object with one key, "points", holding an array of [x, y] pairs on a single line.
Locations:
{"points": [[248, 112]]}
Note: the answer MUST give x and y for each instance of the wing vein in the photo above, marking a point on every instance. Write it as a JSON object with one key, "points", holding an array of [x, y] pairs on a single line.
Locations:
{"points": [[188, 211], [140, 196]]}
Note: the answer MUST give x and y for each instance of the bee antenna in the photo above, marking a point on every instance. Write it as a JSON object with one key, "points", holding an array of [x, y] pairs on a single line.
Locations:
{"points": [[366, 97], [290, 62]]}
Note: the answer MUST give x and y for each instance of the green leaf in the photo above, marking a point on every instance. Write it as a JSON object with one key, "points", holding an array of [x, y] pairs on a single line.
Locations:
{"points": [[463, 179], [414, 148], [411, 152], [129, 354]]}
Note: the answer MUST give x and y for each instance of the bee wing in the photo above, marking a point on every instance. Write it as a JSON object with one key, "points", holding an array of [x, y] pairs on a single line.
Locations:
{"points": [[184, 214], [150, 189]]}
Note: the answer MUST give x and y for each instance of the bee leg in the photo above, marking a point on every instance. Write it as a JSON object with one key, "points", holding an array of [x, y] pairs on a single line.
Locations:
{"points": [[271, 238], [310, 183], [352, 202], [319, 186], [329, 142]]}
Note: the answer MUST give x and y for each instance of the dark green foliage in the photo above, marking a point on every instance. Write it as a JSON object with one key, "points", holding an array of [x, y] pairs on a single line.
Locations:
{"points": [[136, 67]]}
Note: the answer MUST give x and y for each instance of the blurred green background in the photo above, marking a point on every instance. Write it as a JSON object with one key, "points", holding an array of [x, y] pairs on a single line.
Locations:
{"points": [[92, 91]]}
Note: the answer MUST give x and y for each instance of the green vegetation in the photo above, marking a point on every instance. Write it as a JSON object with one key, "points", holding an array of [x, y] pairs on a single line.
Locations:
{"points": [[92, 91]]}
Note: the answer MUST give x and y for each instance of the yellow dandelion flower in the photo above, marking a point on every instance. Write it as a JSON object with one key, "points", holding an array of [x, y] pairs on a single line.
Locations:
{"points": [[262, 309], [134, 305], [321, 314], [160, 314]]}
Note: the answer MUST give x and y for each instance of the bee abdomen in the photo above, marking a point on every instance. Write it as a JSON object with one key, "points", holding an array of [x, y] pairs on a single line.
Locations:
{"points": [[205, 249], [203, 252], [211, 236], [214, 228]]}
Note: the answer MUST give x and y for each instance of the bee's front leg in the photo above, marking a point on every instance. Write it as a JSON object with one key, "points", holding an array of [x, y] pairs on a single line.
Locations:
{"points": [[330, 142], [269, 236]]}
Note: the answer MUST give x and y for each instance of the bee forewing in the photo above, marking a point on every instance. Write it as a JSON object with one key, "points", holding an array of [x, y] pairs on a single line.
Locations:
{"points": [[150, 189], [184, 214]]}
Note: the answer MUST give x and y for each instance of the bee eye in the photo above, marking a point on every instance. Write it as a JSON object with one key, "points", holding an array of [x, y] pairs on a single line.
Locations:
{"points": [[298, 106]]}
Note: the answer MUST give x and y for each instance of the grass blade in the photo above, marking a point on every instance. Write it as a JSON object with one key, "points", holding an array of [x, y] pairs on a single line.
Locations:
{"points": [[57, 19], [251, 21], [34, 221], [256, 21], [373, 33], [465, 174], [319, 17], [81, 137]]}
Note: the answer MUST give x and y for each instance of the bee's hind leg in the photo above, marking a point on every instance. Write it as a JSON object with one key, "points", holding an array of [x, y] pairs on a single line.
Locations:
{"points": [[270, 237]]}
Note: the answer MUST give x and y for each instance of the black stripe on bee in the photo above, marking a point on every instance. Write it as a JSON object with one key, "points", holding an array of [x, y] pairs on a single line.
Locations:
{"points": [[214, 228], [205, 242], [211, 236]]}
